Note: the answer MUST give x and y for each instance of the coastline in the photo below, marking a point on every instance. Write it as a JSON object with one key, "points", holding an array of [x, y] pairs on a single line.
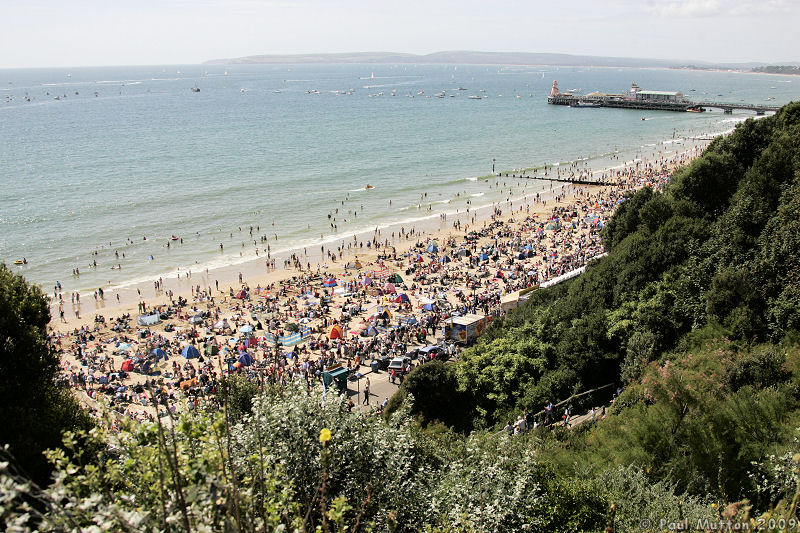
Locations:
{"points": [[254, 273]]}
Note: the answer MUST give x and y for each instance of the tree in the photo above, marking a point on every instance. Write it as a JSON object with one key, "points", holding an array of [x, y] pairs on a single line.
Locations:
{"points": [[34, 409]]}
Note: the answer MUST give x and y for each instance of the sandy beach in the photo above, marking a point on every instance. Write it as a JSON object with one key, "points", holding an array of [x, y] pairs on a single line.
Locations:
{"points": [[464, 262]]}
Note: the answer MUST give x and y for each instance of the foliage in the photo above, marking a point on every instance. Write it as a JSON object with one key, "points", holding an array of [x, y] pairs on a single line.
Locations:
{"points": [[434, 388], [720, 246], [33, 408]]}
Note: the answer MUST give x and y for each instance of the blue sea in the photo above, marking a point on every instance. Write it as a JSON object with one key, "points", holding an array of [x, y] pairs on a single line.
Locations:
{"points": [[107, 164]]}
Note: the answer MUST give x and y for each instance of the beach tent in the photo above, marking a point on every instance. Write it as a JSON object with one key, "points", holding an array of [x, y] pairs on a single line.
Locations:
{"points": [[401, 298], [389, 288], [335, 332], [484, 257], [383, 312], [241, 295], [418, 259], [148, 320], [190, 352], [196, 319], [353, 264], [372, 332], [127, 365], [553, 225], [395, 278], [445, 259], [212, 349], [159, 353], [462, 252], [123, 347], [366, 280], [247, 328], [433, 247], [329, 282], [245, 359], [428, 307]]}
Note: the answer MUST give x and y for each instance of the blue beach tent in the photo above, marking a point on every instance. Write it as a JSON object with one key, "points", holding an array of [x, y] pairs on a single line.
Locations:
{"points": [[190, 352]]}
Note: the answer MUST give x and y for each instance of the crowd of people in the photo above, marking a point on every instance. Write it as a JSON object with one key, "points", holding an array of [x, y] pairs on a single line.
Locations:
{"points": [[396, 298]]}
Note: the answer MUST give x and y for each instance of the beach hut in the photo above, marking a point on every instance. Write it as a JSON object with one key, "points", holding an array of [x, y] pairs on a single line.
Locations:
{"points": [[190, 352], [335, 332]]}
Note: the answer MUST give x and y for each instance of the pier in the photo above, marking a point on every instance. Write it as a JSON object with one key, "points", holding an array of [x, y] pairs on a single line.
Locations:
{"points": [[636, 98]]}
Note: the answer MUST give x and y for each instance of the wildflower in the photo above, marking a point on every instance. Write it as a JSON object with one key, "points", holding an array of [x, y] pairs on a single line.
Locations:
{"points": [[324, 435]]}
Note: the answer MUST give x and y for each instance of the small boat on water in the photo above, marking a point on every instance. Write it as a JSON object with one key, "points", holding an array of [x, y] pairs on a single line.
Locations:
{"points": [[174, 238], [195, 89], [368, 186], [22, 261]]}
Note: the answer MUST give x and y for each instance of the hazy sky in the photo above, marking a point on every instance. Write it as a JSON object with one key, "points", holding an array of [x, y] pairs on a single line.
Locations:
{"points": [[42, 33]]}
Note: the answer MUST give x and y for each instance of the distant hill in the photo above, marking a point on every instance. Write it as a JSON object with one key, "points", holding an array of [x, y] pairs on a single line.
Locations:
{"points": [[467, 58], [779, 69]]}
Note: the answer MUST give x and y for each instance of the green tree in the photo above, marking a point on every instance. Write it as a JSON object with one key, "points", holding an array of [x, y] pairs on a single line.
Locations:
{"points": [[34, 409]]}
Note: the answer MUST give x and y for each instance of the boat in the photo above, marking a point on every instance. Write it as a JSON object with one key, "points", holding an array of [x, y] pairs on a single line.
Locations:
{"points": [[473, 97], [368, 186], [696, 109], [195, 89], [174, 238], [22, 261]]}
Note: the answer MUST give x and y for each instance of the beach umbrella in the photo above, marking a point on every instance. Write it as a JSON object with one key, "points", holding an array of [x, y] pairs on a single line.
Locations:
{"points": [[245, 359], [335, 332], [190, 352], [247, 328]]}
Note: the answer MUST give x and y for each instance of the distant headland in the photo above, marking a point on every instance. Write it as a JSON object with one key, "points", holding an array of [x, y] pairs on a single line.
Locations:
{"points": [[462, 57]]}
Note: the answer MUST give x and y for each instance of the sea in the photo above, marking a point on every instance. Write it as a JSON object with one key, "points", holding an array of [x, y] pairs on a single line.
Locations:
{"points": [[109, 165]]}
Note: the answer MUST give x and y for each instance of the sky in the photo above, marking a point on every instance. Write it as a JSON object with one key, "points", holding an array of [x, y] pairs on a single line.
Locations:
{"points": [[49, 33]]}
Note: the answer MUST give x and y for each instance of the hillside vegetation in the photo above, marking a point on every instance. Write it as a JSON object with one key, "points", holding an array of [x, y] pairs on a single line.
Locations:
{"points": [[695, 311]]}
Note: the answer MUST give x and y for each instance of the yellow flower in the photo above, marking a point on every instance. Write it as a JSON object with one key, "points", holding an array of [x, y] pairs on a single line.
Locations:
{"points": [[324, 435]]}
